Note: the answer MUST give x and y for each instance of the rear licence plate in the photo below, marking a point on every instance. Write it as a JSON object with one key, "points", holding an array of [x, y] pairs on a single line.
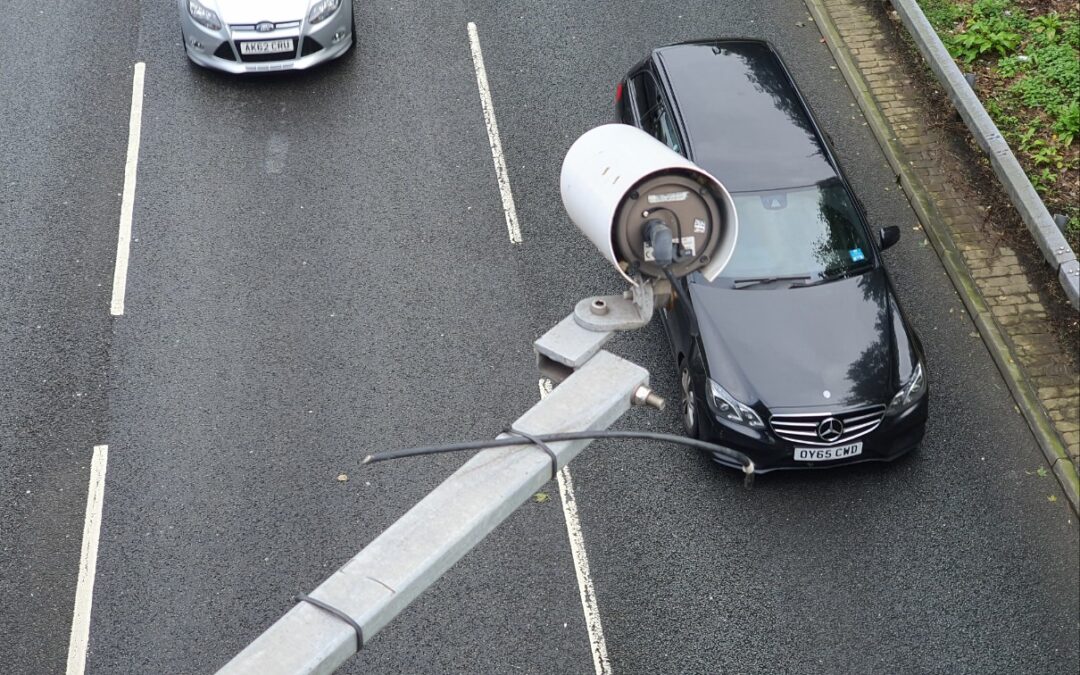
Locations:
{"points": [[826, 454], [266, 47]]}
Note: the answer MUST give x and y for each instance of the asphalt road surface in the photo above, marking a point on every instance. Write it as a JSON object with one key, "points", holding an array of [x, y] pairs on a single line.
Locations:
{"points": [[320, 268]]}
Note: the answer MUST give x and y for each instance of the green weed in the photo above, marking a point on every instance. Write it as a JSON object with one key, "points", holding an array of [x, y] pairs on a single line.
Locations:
{"points": [[1067, 126]]}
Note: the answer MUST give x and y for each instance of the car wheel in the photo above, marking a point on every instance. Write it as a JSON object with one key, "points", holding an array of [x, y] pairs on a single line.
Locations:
{"points": [[689, 404]]}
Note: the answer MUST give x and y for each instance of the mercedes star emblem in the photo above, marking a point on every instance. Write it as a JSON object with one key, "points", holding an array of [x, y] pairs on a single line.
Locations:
{"points": [[830, 429]]}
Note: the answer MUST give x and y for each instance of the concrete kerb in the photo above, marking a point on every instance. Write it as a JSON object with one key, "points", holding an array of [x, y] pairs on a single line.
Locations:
{"points": [[1022, 194], [930, 219]]}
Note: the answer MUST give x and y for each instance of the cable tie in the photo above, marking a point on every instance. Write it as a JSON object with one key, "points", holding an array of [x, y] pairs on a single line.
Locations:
{"points": [[336, 612], [538, 443]]}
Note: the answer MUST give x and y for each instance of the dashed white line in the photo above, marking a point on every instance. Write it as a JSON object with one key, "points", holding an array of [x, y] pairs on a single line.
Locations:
{"points": [[501, 174], [127, 202], [581, 564], [84, 591]]}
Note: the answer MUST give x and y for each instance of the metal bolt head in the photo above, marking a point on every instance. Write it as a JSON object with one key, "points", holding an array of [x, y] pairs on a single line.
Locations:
{"points": [[598, 307], [645, 396]]}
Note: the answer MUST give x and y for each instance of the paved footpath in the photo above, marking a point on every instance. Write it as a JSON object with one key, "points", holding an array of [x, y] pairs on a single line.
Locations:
{"points": [[1005, 292]]}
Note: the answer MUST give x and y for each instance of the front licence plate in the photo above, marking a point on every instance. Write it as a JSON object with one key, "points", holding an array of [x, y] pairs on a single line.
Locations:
{"points": [[266, 47], [826, 454]]}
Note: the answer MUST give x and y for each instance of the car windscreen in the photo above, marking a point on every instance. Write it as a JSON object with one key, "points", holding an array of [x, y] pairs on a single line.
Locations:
{"points": [[813, 232]]}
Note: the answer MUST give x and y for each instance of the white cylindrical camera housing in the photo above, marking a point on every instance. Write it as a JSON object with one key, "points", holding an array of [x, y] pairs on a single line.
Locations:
{"points": [[615, 178]]}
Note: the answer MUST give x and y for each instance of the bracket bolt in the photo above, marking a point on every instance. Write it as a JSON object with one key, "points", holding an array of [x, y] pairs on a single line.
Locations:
{"points": [[645, 396], [598, 307]]}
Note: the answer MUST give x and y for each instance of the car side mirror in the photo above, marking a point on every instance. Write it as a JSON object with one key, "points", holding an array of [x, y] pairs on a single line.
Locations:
{"points": [[888, 236]]}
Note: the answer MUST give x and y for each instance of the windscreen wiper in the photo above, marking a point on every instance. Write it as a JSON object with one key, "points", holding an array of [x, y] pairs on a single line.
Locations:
{"points": [[835, 276], [746, 283]]}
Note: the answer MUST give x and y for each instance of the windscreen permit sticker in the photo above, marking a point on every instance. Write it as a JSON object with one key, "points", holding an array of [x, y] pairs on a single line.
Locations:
{"points": [[856, 254]]}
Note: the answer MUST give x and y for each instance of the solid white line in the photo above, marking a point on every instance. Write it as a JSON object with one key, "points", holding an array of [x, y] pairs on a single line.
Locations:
{"points": [[501, 174], [84, 592], [127, 203], [581, 564]]}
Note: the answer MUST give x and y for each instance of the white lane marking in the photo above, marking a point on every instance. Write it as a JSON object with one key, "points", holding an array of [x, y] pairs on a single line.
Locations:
{"points": [[501, 173], [581, 563], [127, 203], [84, 591]]}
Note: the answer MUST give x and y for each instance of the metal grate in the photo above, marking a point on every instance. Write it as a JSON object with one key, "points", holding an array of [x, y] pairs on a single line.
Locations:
{"points": [[224, 51], [309, 46], [808, 428]]}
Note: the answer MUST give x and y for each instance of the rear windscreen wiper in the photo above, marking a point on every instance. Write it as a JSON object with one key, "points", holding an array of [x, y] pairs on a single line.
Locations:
{"points": [[745, 283]]}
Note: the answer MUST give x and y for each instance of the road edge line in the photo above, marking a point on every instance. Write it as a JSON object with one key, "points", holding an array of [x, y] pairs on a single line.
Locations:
{"points": [[589, 605], [502, 176], [84, 590], [127, 202]]}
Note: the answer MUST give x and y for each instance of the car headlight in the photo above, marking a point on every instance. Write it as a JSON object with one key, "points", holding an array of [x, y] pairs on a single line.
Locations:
{"points": [[909, 393], [733, 410], [203, 16], [321, 10]]}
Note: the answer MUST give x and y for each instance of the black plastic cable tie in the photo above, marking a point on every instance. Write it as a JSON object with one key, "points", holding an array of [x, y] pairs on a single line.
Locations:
{"points": [[538, 443], [338, 613]]}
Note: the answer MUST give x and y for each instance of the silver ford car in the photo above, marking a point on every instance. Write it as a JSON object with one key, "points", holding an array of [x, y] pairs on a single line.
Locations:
{"points": [[249, 36]]}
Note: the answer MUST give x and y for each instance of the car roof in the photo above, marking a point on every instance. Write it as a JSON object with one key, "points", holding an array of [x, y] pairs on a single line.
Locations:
{"points": [[743, 120]]}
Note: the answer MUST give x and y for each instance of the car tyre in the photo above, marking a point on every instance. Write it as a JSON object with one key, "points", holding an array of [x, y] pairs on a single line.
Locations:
{"points": [[688, 405]]}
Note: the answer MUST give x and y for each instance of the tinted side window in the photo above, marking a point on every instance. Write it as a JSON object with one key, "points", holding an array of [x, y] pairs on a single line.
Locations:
{"points": [[652, 111], [644, 93], [667, 129]]}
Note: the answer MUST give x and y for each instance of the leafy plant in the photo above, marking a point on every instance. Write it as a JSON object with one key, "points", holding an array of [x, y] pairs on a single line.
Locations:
{"points": [[1047, 155], [982, 37], [1067, 126], [1047, 26], [1036, 92], [1008, 124], [943, 14], [1026, 140], [1010, 66], [1042, 181]]}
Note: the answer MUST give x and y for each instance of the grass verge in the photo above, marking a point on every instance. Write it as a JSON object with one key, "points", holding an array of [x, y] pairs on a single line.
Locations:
{"points": [[1025, 55]]}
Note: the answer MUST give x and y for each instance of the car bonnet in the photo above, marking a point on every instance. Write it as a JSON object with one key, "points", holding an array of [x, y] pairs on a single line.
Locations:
{"points": [[829, 345]]}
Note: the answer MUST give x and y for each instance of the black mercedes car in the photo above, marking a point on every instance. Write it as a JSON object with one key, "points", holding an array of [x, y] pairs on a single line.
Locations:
{"points": [[798, 354]]}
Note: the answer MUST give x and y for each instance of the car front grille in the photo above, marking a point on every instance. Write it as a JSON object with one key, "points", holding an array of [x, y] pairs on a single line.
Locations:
{"points": [[803, 429], [250, 27]]}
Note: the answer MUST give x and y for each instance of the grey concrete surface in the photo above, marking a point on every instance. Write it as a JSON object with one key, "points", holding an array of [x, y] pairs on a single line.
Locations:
{"points": [[322, 269]]}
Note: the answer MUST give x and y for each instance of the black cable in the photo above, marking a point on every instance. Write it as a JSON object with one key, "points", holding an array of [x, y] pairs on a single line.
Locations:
{"points": [[538, 443], [747, 463], [675, 217], [681, 298], [327, 607]]}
